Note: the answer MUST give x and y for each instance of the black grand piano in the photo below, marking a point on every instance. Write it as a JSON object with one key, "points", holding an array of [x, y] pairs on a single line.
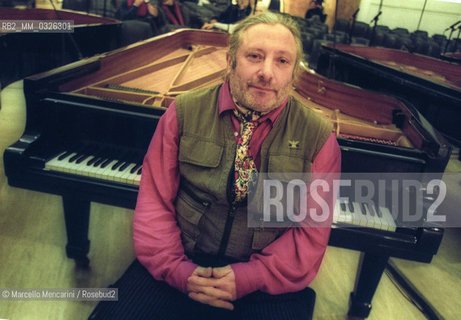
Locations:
{"points": [[89, 124], [432, 85]]}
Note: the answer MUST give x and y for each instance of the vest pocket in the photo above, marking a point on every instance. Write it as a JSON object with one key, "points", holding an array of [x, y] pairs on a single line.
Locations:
{"points": [[189, 212], [202, 153], [285, 168]]}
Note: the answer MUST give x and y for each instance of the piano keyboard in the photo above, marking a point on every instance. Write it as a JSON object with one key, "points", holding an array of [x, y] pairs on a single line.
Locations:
{"points": [[129, 171], [363, 215], [97, 166]]}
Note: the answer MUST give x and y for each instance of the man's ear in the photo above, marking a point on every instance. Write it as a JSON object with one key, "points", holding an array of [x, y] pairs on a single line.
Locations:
{"points": [[229, 63]]}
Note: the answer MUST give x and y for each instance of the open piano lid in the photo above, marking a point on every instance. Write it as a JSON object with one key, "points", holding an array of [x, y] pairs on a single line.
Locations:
{"points": [[431, 85]]}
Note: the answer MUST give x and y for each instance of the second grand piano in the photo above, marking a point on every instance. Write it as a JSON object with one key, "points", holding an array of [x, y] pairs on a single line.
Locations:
{"points": [[89, 124]]}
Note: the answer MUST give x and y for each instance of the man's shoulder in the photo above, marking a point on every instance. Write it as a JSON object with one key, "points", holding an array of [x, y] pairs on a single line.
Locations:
{"points": [[197, 102]]}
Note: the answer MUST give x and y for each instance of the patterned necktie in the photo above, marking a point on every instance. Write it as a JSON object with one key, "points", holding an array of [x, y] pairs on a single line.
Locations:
{"points": [[245, 168]]}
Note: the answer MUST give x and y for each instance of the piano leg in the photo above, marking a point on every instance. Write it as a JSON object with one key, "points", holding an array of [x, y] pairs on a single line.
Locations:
{"points": [[369, 273], [77, 217]]}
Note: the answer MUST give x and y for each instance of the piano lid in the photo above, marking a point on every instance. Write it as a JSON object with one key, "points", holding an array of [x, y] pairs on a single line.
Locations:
{"points": [[433, 86], [422, 68]]}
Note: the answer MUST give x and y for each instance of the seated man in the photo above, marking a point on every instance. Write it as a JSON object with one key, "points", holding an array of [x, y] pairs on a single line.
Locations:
{"points": [[231, 15], [140, 20], [176, 15], [205, 8], [143, 10], [198, 258]]}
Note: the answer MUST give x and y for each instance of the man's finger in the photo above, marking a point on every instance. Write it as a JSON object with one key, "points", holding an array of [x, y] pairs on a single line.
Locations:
{"points": [[212, 292], [218, 303], [209, 286], [203, 272], [202, 281], [222, 271]]}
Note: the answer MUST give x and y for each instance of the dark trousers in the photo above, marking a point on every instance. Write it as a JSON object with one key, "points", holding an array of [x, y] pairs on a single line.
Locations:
{"points": [[140, 296]]}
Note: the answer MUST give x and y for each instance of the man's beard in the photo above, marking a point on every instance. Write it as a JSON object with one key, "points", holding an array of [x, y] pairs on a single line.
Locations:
{"points": [[241, 93]]}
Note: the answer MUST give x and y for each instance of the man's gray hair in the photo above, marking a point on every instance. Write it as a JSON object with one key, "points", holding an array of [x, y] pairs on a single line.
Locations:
{"points": [[270, 18]]}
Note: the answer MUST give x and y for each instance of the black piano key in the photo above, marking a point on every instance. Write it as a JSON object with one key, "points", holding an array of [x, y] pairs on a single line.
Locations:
{"points": [[121, 159], [105, 163], [139, 171], [117, 164], [363, 209], [343, 206], [351, 206], [82, 158], [135, 168], [98, 154], [371, 209], [80, 151], [74, 158], [123, 166], [83, 154], [100, 161], [378, 212], [64, 155], [92, 161]]}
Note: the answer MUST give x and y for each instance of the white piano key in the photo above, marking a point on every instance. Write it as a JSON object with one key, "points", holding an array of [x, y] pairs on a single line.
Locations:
{"points": [[137, 179], [108, 173], [74, 166], [132, 178], [388, 219], [55, 162], [120, 173], [82, 168], [340, 215], [371, 219], [377, 223], [65, 165], [126, 176], [96, 170], [357, 217], [337, 212]]}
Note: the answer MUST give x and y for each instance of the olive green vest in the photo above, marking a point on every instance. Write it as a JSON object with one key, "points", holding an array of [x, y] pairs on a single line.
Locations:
{"points": [[206, 160]]}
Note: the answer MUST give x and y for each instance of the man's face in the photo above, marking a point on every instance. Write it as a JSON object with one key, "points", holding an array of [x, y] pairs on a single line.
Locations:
{"points": [[263, 74]]}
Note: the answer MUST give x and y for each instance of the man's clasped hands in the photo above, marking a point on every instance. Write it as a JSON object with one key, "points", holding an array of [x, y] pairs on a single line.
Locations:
{"points": [[213, 286]]}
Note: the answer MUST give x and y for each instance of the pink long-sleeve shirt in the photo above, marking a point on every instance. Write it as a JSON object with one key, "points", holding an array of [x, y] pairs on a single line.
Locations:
{"points": [[288, 264]]}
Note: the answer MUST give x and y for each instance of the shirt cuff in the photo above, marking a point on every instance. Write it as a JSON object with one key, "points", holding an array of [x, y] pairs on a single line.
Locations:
{"points": [[248, 277], [182, 274]]}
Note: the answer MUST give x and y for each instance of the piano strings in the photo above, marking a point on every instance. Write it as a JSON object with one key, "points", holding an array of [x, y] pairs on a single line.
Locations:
{"points": [[159, 82]]}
